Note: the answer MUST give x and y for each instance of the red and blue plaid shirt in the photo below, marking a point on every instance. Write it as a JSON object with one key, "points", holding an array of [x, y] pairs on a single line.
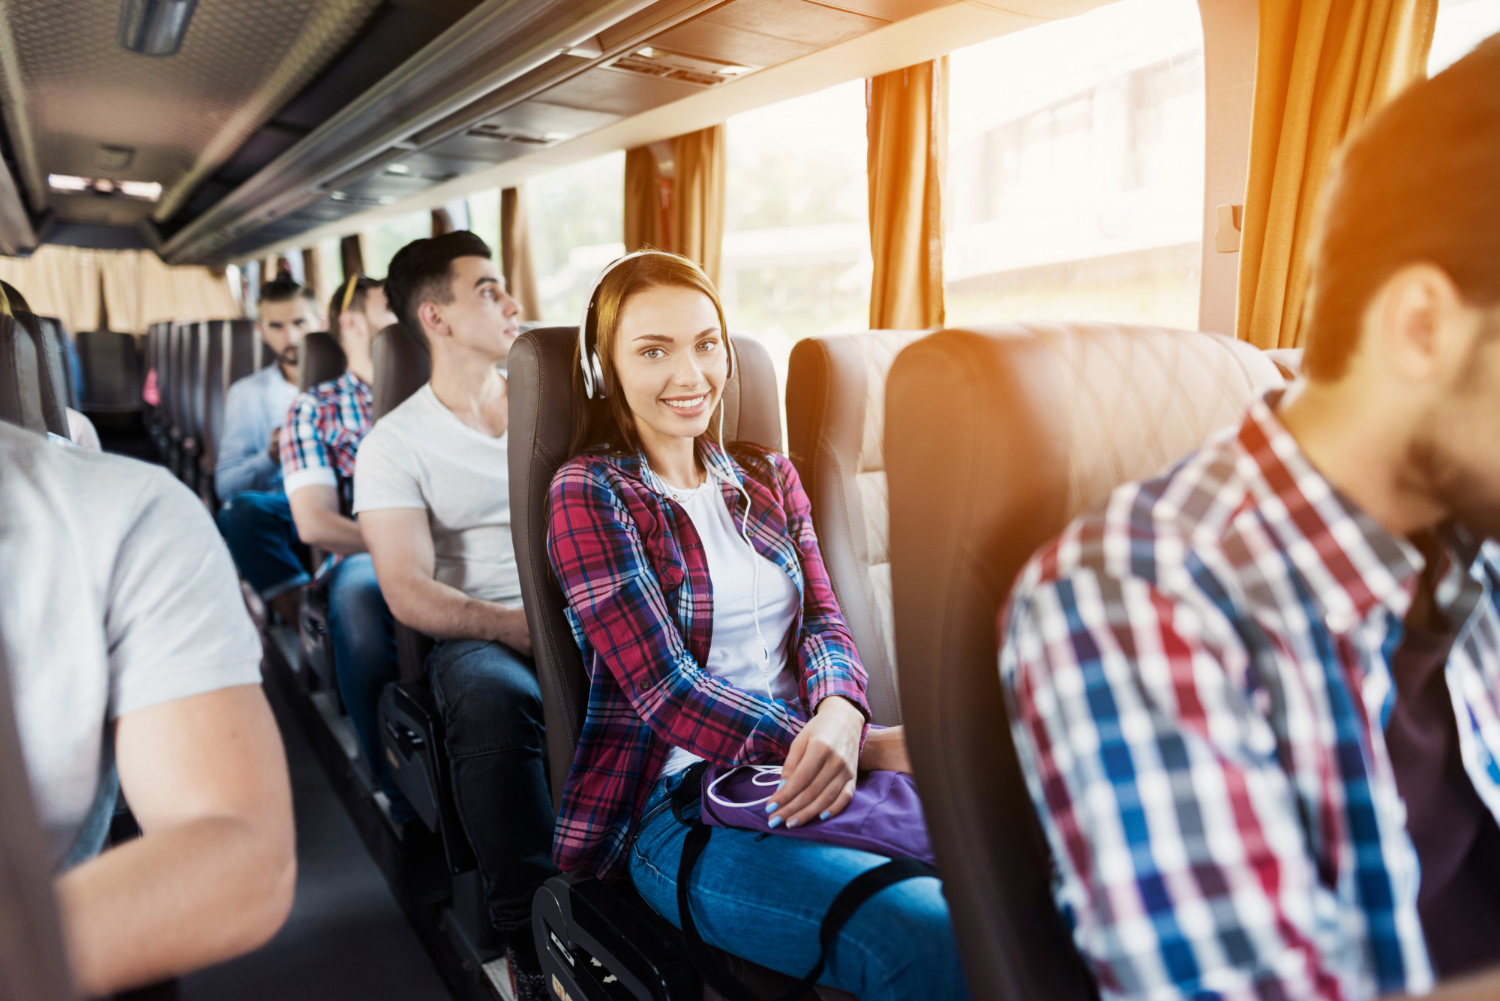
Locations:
{"points": [[321, 437], [1199, 681], [640, 603]]}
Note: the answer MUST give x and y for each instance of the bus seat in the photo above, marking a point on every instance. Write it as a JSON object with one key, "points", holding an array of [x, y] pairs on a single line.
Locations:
{"points": [[190, 407], [835, 417], [243, 350], [319, 360], [585, 930], [26, 396], [173, 393], [112, 378], [58, 368], [1036, 423], [215, 369]]}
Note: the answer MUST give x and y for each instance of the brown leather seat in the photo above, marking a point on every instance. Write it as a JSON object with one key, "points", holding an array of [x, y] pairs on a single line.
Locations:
{"points": [[575, 910], [835, 418], [319, 360], [995, 439], [27, 396], [245, 351]]}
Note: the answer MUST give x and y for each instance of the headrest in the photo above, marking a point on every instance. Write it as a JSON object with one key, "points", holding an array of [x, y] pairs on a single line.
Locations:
{"points": [[541, 423], [27, 396], [403, 365], [319, 360]]}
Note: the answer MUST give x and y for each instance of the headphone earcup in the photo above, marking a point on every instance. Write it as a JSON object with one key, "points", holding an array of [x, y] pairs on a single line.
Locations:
{"points": [[598, 374]]}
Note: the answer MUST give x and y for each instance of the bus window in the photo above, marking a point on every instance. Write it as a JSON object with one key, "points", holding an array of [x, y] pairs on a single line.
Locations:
{"points": [[1075, 170], [1461, 25], [796, 232], [389, 236], [576, 218]]}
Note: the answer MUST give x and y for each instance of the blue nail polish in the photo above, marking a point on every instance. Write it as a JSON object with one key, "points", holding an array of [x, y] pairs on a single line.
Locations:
{"points": [[770, 807], [825, 814], [775, 821], [791, 824], [781, 783]]}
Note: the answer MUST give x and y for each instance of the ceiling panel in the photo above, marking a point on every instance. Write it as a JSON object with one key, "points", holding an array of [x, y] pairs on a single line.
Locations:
{"points": [[811, 24], [617, 92], [731, 44], [183, 114]]}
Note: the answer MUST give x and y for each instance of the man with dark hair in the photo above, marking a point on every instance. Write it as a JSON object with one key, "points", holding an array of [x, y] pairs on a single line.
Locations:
{"points": [[432, 493], [319, 441], [1257, 699], [256, 520]]}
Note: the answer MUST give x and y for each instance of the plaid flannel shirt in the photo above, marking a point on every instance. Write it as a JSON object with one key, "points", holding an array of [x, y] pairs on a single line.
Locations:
{"points": [[1199, 680], [640, 603], [320, 439]]}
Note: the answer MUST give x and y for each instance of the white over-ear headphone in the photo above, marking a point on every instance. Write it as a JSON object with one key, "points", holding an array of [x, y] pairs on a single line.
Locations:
{"points": [[588, 349]]}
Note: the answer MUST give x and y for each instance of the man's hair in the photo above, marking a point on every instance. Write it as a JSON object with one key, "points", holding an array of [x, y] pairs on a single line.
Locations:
{"points": [[285, 290], [1419, 183], [362, 286], [422, 271]]}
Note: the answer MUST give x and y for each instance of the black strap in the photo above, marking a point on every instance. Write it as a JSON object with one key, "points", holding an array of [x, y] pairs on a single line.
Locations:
{"points": [[849, 899]]}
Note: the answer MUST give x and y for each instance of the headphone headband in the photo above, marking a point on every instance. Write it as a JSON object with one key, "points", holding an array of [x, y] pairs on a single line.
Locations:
{"points": [[588, 359]]}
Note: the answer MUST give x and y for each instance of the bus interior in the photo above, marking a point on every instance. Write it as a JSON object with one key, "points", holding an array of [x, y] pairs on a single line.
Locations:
{"points": [[981, 261]]}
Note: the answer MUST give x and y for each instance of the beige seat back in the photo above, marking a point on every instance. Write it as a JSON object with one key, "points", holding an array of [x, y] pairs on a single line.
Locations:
{"points": [[835, 415], [996, 438]]}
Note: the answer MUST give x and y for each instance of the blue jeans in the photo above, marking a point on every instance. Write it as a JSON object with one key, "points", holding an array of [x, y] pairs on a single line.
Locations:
{"points": [[258, 529], [495, 740], [763, 898], [364, 658]]}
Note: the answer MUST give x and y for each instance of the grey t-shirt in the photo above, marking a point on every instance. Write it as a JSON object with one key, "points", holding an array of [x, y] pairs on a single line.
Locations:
{"points": [[421, 456], [117, 594]]}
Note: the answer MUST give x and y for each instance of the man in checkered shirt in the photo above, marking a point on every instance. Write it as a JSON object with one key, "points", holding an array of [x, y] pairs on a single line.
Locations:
{"points": [[1257, 699]]}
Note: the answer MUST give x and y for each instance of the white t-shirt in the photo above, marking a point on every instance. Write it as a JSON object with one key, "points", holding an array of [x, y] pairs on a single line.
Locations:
{"points": [[421, 456], [741, 578], [116, 594]]}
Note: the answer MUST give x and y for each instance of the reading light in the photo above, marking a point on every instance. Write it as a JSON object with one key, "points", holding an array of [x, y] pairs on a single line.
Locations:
{"points": [[154, 27], [398, 168]]}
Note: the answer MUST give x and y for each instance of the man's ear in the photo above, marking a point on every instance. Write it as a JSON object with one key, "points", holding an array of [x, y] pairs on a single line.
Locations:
{"points": [[431, 317], [1421, 323]]}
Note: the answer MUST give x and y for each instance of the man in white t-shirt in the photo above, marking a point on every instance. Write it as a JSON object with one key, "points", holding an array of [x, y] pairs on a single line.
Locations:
{"points": [[130, 654], [432, 494]]}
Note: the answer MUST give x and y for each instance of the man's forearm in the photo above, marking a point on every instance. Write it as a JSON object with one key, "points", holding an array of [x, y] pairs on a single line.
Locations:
{"points": [[174, 900], [331, 531], [446, 613]]}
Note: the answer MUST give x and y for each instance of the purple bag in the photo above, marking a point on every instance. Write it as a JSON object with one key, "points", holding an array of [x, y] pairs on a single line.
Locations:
{"points": [[884, 817]]}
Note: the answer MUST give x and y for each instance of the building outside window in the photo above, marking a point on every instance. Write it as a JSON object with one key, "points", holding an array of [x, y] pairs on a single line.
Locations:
{"points": [[1461, 25], [1075, 170]]}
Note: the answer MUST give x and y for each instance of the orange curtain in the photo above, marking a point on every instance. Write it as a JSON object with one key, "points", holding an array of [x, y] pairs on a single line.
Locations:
{"points": [[1322, 67], [515, 254], [644, 223], [907, 131], [352, 255], [699, 168]]}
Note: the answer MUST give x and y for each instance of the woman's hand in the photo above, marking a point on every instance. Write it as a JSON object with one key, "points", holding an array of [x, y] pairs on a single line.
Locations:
{"points": [[885, 750], [817, 780]]}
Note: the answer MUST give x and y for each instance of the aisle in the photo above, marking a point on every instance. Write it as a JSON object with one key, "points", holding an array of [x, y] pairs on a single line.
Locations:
{"points": [[346, 938]]}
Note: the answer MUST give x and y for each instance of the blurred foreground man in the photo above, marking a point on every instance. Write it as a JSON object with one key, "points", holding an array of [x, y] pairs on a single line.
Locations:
{"points": [[130, 653], [1257, 699]]}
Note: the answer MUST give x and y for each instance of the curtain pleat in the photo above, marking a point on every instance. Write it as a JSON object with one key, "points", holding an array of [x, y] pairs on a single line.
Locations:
{"points": [[442, 222], [643, 201], [1322, 67], [137, 288], [312, 274], [515, 254], [907, 132], [700, 166]]}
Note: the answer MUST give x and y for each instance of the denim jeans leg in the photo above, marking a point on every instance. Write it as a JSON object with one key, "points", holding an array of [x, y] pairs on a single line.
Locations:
{"points": [[257, 527], [764, 898], [496, 745], [364, 654]]}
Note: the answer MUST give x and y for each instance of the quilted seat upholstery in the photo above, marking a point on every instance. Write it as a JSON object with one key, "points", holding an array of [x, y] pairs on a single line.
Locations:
{"points": [[836, 434], [996, 438]]}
